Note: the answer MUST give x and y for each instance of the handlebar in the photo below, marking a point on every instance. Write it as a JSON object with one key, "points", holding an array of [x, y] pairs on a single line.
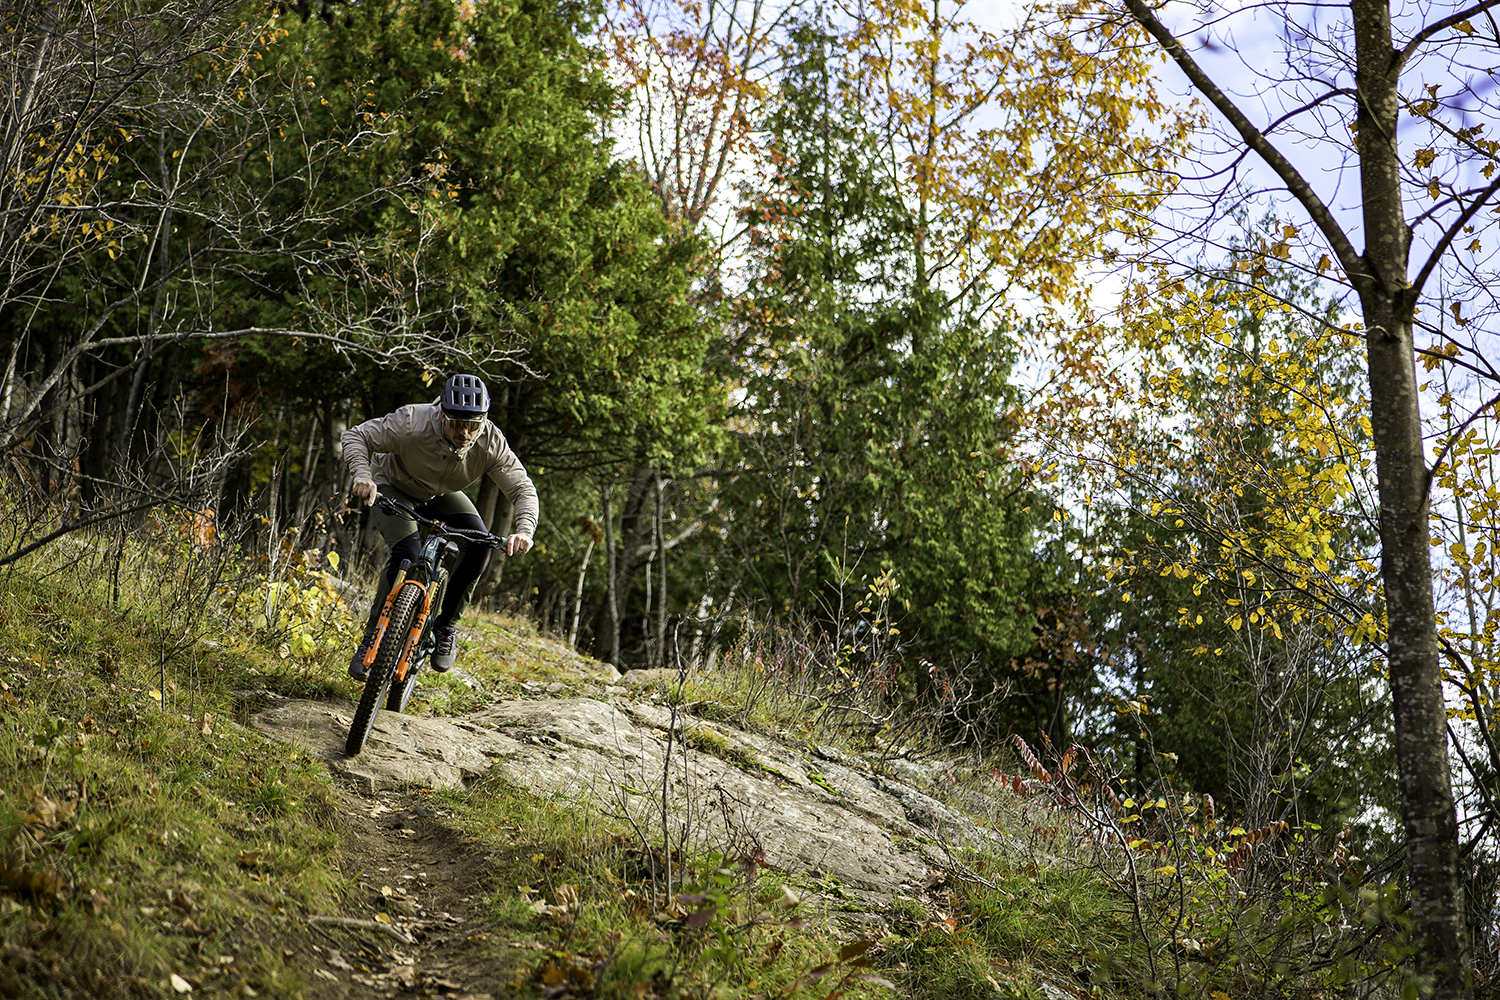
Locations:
{"points": [[393, 506]]}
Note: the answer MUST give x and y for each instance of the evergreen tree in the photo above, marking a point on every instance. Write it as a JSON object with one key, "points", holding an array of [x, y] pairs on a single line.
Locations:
{"points": [[872, 435]]}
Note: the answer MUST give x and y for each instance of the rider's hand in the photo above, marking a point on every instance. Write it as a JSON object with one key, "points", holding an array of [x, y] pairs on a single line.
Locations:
{"points": [[518, 545], [365, 489]]}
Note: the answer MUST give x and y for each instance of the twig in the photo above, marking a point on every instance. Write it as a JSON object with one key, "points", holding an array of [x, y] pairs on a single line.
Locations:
{"points": [[963, 872], [364, 925]]}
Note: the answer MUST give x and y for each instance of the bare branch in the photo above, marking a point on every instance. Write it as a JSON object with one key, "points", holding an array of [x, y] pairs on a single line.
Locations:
{"points": [[1349, 259]]}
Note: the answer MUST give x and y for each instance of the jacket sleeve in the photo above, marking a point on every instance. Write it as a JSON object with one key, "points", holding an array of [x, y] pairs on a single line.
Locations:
{"points": [[510, 475], [372, 437]]}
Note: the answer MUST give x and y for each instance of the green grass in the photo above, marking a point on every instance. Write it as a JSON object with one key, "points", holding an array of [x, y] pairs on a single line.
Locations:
{"points": [[145, 834], [586, 901], [715, 744]]}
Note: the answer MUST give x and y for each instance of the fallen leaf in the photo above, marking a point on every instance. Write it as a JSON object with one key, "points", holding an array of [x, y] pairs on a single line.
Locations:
{"points": [[181, 985], [48, 812]]}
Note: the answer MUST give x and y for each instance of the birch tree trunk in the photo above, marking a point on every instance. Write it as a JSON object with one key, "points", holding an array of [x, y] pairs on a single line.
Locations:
{"points": [[612, 650]]}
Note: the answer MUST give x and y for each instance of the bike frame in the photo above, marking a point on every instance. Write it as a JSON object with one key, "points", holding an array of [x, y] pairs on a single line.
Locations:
{"points": [[434, 549]]}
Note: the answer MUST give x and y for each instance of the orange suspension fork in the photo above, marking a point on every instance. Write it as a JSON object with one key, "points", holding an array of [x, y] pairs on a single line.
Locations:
{"points": [[385, 615], [416, 631]]}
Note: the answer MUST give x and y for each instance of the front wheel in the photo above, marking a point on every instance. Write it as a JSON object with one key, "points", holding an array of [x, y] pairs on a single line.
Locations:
{"points": [[401, 691], [383, 670]]}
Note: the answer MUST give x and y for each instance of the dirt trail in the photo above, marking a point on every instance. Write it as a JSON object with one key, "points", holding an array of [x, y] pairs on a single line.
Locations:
{"points": [[429, 883]]}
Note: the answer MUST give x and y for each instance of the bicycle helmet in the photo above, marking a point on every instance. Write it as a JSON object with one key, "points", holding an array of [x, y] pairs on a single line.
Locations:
{"points": [[464, 396]]}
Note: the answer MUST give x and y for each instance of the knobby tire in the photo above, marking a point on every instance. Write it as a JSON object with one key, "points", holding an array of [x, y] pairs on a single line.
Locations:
{"points": [[383, 670], [400, 695]]}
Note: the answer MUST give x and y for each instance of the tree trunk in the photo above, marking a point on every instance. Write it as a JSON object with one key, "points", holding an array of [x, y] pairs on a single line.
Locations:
{"points": [[612, 650], [627, 553], [583, 569], [1387, 298], [498, 513], [1419, 714], [661, 600]]}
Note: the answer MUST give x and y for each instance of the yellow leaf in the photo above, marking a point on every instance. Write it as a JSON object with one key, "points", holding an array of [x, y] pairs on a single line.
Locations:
{"points": [[383, 918]]}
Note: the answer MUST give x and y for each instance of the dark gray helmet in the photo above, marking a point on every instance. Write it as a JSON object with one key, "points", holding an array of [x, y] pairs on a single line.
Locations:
{"points": [[465, 396]]}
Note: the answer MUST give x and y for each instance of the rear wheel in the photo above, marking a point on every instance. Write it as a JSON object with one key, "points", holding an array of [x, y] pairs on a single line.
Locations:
{"points": [[383, 670], [401, 691]]}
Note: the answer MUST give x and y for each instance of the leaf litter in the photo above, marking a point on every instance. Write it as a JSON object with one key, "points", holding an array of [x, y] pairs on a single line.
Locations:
{"points": [[414, 876]]}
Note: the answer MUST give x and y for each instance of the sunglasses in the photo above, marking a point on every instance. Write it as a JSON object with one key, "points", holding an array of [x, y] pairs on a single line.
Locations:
{"points": [[465, 425]]}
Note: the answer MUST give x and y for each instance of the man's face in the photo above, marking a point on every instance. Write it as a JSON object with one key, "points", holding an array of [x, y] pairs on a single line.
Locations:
{"points": [[459, 432]]}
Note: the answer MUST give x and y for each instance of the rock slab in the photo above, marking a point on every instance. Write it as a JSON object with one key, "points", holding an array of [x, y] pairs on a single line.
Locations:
{"points": [[852, 832]]}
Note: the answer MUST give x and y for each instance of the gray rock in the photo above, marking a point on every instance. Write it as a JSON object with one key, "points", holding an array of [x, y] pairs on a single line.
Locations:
{"points": [[656, 678], [465, 678], [821, 815]]}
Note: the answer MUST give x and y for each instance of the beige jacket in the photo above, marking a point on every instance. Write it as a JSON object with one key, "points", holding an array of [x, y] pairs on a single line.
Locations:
{"points": [[410, 453]]}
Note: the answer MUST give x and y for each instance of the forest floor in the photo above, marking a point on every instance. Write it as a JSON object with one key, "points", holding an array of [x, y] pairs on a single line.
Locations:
{"points": [[415, 924]]}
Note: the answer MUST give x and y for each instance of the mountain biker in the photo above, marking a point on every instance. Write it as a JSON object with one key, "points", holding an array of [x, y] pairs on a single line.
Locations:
{"points": [[424, 455]]}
